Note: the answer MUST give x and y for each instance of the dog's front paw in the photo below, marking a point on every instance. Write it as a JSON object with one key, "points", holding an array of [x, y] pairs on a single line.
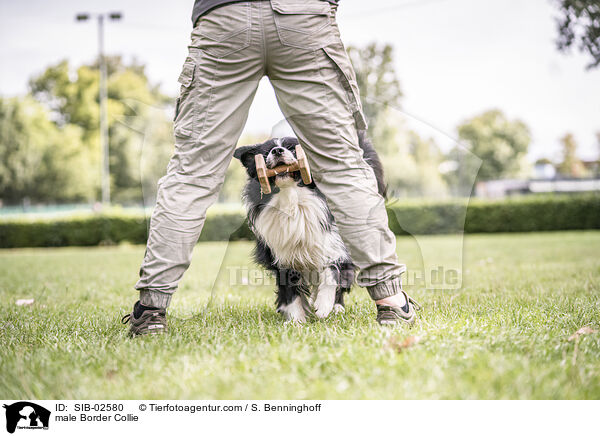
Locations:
{"points": [[293, 312], [323, 306], [338, 308], [294, 318], [325, 298], [294, 322]]}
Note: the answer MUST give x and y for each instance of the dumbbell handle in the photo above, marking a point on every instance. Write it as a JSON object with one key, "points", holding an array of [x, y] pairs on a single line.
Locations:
{"points": [[270, 172], [264, 173]]}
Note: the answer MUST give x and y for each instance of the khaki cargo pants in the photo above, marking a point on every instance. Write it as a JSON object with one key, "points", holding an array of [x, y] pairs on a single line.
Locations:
{"points": [[297, 45]]}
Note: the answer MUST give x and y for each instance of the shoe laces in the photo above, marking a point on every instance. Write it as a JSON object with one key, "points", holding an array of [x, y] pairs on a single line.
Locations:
{"points": [[416, 305], [412, 301]]}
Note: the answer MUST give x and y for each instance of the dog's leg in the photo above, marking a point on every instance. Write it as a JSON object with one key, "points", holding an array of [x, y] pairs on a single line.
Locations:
{"points": [[339, 306], [290, 299], [325, 298], [346, 277], [294, 311], [290, 303]]}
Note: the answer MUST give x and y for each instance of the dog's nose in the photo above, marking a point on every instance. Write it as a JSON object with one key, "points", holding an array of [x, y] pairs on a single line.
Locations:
{"points": [[277, 151]]}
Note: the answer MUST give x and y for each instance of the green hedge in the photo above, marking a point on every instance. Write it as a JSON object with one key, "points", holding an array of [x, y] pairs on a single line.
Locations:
{"points": [[524, 214], [106, 229], [520, 214]]}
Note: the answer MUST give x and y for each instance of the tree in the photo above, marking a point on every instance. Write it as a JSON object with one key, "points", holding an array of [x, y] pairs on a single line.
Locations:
{"points": [[596, 166], [376, 77], [500, 143], [410, 162], [428, 158], [571, 165], [73, 100], [598, 146], [580, 25], [40, 161]]}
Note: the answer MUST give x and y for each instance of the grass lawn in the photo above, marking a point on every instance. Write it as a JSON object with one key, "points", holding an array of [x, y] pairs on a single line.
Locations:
{"points": [[503, 335]]}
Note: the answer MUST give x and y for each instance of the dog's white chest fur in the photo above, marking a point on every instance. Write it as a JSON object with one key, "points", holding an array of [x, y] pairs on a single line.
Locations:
{"points": [[294, 224]]}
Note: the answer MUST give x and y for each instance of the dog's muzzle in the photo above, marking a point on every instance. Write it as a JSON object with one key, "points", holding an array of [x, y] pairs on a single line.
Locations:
{"points": [[279, 156]]}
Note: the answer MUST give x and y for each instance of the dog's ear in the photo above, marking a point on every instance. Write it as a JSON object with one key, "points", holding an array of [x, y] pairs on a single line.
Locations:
{"points": [[289, 142], [246, 154]]}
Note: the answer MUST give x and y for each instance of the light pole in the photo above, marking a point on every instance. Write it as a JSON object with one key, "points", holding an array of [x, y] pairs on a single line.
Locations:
{"points": [[105, 172]]}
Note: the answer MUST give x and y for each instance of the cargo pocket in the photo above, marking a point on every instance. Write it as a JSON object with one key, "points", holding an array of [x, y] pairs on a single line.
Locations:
{"points": [[224, 30], [337, 54], [303, 24], [184, 120]]}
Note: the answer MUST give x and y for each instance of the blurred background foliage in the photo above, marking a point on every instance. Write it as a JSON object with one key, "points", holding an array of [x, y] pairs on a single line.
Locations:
{"points": [[49, 140], [50, 150], [579, 26]]}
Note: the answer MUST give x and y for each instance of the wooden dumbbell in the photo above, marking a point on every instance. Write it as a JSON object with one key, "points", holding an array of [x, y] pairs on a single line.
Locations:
{"points": [[264, 173]]}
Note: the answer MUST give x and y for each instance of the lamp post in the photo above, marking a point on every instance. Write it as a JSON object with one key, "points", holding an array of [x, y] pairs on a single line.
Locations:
{"points": [[105, 172]]}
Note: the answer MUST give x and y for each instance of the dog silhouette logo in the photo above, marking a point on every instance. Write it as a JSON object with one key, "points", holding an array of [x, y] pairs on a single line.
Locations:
{"points": [[26, 415]]}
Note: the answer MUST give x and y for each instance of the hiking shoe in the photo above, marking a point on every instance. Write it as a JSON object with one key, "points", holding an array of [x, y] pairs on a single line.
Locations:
{"points": [[393, 316], [151, 321]]}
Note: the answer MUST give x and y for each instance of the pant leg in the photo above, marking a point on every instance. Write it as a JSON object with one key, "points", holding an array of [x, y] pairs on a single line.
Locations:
{"points": [[316, 89], [218, 82]]}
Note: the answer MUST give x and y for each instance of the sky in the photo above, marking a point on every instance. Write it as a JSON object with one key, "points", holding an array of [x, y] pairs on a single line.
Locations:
{"points": [[455, 59]]}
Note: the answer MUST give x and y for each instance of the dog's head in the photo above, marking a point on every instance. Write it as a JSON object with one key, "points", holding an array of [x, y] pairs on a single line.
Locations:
{"points": [[276, 151]]}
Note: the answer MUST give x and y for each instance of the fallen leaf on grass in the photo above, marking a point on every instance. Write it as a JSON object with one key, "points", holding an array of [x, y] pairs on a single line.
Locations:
{"points": [[25, 302], [398, 345], [585, 330]]}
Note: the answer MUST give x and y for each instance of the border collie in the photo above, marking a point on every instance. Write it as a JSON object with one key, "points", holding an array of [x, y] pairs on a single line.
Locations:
{"points": [[296, 236]]}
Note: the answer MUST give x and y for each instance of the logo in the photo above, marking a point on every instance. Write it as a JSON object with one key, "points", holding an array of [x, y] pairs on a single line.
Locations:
{"points": [[26, 415]]}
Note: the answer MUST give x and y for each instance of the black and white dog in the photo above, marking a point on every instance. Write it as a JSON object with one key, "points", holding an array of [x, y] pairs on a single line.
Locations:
{"points": [[296, 235]]}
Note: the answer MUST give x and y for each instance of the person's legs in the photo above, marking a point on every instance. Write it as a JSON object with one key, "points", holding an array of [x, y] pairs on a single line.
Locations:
{"points": [[218, 82], [316, 89]]}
